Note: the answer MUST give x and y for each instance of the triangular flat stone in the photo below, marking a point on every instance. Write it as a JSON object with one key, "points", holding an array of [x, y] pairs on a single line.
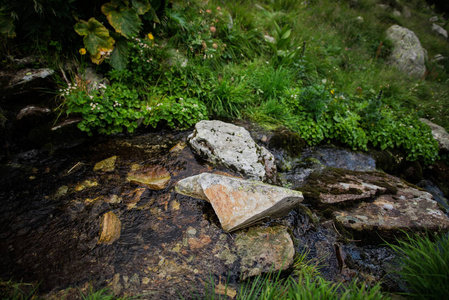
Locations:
{"points": [[239, 203]]}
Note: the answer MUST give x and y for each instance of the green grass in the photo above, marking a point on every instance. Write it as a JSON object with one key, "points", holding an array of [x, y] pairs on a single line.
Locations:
{"points": [[424, 265], [305, 283], [247, 60]]}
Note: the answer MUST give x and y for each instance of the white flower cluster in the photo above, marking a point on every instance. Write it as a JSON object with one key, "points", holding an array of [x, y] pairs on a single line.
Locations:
{"points": [[116, 104], [94, 106], [68, 90]]}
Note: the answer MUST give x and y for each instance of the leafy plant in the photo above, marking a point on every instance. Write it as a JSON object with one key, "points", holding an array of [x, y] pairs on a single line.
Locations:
{"points": [[314, 99], [424, 264], [283, 50], [124, 17]]}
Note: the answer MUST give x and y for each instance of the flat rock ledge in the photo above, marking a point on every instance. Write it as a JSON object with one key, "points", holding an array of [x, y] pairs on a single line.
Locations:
{"points": [[232, 146], [374, 202], [409, 210], [239, 203]]}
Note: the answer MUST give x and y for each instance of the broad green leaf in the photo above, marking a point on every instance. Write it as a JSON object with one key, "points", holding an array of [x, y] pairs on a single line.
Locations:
{"points": [[286, 34], [141, 6], [125, 20], [96, 36], [119, 57]]}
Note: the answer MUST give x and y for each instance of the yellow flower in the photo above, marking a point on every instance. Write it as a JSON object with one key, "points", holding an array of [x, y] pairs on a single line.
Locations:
{"points": [[332, 92], [150, 36], [82, 51]]}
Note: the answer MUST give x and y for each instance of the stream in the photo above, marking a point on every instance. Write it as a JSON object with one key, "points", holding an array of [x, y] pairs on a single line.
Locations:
{"points": [[170, 245]]}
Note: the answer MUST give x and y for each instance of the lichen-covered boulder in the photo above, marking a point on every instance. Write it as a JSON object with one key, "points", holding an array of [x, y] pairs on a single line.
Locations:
{"points": [[232, 146], [263, 250], [408, 55], [239, 203]]}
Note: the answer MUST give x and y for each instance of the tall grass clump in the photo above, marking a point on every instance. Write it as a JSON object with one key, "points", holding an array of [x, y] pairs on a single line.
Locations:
{"points": [[424, 265]]}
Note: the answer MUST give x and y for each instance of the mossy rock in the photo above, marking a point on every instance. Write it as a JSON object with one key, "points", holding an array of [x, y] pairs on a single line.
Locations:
{"points": [[287, 140]]}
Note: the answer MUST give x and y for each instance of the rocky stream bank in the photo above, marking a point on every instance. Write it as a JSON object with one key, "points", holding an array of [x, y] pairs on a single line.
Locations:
{"points": [[162, 213]]}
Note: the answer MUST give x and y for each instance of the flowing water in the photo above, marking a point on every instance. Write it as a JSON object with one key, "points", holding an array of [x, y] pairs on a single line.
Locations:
{"points": [[51, 204]]}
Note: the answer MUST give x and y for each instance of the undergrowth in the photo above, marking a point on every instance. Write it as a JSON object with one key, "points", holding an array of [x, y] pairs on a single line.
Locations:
{"points": [[319, 68]]}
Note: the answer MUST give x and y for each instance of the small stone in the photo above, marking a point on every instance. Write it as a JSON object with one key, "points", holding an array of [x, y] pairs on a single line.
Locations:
{"points": [[440, 31], [155, 177], [32, 110], [85, 185], [178, 147], [110, 228], [106, 165], [199, 242], [61, 191]]}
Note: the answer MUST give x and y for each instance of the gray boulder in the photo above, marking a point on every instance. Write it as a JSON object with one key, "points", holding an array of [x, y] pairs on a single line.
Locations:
{"points": [[239, 203], [439, 30], [408, 54], [439, 134], [232, 146]]}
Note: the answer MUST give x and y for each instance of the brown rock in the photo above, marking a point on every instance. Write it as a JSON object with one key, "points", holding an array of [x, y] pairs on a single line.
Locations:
{"points": [[334, 185], [264, 250], [155, 177], [110, 228]]}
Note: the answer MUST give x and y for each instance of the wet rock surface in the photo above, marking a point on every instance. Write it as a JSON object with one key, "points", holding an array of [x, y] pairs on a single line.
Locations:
{"points": [[240, 203], [374, 202]]}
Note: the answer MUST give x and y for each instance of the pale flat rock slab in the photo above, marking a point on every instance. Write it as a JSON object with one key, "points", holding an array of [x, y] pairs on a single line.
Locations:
{"points": [[263, 250], [410, 209], [408, 55], [237, 202], [232, 146], [439, 134]]}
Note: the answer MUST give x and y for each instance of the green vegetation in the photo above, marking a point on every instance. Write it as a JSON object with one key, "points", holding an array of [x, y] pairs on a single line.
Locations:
{"points": [[305, 283], [316, 67], [424, 264]]}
